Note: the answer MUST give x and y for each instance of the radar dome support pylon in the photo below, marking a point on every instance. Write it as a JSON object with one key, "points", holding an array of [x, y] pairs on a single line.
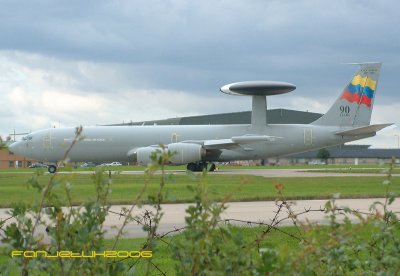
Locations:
{"points": [[259, 90], [259, 112]]}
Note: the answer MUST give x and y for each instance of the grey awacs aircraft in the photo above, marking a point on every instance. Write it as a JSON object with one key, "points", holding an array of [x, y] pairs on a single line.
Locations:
{"points": [[198, 145]]}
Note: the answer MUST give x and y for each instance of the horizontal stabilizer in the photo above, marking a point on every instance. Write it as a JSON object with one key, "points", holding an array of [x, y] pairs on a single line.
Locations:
{"points": [[363, 130]]}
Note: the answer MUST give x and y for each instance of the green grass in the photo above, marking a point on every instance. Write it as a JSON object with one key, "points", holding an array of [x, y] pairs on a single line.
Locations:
{"points": [[14, 188], [125, 188], [284, 244], [162, 255]]}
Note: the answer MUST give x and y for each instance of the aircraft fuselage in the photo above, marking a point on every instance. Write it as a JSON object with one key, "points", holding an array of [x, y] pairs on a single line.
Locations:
{"points": [[113, 143]]}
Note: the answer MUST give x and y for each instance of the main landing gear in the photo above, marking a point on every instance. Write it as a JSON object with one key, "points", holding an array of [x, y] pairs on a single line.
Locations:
{"points": [[200, 166], [52, 168]]}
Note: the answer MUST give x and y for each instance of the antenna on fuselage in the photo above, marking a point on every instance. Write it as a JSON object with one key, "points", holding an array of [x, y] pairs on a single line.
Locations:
{"points": [[259, 90], [17, 134]]}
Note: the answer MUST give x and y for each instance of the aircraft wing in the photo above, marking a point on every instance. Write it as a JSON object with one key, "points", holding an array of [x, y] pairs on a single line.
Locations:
{"points": [[363, 130], [216, 144], [233, 142]]}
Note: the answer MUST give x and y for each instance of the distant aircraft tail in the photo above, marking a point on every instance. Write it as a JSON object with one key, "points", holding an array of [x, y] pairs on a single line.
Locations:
{"points": [[354, 106]]}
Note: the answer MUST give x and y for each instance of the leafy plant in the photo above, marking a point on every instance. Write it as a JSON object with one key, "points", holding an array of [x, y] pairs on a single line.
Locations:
{"points": [[339, 248], [207, 247], [323, 154], [2, 144], [76, 229]]}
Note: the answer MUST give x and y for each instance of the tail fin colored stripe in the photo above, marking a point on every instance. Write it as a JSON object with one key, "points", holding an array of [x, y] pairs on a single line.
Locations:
{"points": [[358, 80], [360, 90], [354, 106]]}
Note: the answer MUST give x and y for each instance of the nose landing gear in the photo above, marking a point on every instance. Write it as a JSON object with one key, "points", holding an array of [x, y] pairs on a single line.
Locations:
{"points": [[52, 168]]}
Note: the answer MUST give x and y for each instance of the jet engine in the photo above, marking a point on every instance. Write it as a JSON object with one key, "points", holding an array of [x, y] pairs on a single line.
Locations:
{"points": [[143, 155], [182, 153]]}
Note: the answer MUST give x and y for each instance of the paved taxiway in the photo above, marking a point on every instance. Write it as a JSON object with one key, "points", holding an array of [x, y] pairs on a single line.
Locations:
{"points": [[246, 213], [295, 173], [237, 212]]}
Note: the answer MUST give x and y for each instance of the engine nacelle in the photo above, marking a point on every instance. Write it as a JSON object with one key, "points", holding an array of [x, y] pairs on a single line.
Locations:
{"points": [[143, 155], [182, 153]]}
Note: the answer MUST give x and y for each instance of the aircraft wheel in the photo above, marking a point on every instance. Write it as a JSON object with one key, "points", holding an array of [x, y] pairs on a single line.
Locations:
{"points": [[191, 167], [196, 167], [212, 167], [52, 169], [200, 167]]}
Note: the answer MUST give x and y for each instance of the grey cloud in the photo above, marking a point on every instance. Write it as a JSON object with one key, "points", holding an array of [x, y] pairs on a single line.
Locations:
{"points": [[201, 34]]}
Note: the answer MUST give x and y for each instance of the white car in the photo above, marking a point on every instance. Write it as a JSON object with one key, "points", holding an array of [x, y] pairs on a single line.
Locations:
{"points": [[114, 164], [316, 162]]}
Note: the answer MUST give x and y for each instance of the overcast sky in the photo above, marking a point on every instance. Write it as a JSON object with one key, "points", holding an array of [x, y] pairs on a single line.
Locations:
{"points": [[69, 63]]}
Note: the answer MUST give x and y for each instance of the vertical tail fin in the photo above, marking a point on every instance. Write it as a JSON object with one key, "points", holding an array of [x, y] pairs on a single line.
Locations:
{"points": [[354, 106]]}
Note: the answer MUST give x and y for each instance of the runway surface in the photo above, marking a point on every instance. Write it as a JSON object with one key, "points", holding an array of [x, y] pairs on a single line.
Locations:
{"points": [[241, 213]]}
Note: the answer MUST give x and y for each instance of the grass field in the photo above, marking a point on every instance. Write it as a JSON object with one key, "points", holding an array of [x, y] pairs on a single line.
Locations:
{"points": [[14, 187], [163, 258]]}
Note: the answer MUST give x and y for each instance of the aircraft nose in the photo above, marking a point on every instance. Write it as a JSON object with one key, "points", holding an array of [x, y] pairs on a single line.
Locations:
{"points": [[14, 147]]}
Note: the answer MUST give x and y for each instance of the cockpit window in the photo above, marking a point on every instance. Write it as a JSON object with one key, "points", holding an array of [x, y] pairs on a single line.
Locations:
{"points": [[27, 138]]}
